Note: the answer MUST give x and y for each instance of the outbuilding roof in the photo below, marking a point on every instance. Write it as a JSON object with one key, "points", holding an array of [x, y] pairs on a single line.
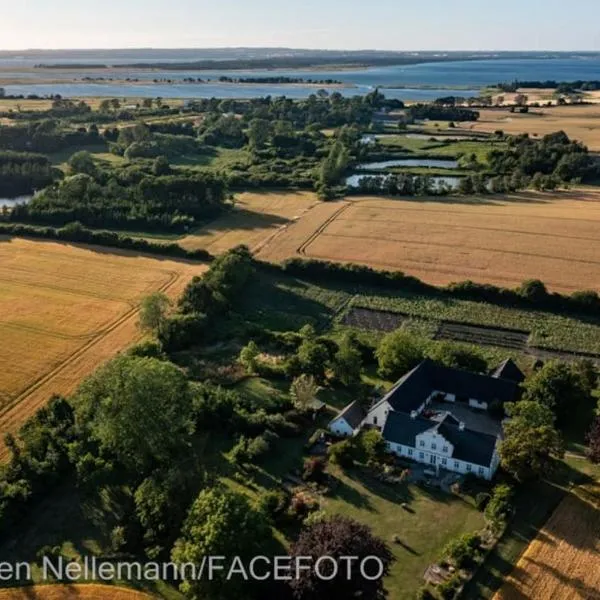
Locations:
{"points": [[353, 414], [411, 391]]}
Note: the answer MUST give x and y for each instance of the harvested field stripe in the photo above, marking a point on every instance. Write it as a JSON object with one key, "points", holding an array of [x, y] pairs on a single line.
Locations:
{"points": [[442, 245], [470, 213], [47, 376], [481, 228]]}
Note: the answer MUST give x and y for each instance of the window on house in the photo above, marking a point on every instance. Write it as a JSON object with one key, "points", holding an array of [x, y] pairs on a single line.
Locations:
{"points": [[375, 420], [410, 452], [469, 468], [481, 471], [456, 465], [445, 449], [444, 461], [422, 444], [421, 455], [434, 446]]}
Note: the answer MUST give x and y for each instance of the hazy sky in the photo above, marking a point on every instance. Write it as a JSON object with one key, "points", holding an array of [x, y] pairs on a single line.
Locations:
{"points": [[382, 24]]}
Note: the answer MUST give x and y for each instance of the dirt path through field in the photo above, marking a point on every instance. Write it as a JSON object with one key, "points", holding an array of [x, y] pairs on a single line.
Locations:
{"points": [[66, 376]]}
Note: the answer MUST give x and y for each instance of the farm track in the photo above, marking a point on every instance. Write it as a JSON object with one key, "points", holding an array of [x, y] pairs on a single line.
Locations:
{"points": [[107, 342], [82, 349], [302, 248]]}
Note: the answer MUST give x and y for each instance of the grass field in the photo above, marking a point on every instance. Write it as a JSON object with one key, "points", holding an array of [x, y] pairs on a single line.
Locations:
{"points": [[256, 217], [563, 561], [66, 309], [501, 240], [89, 591], [580, 123]]}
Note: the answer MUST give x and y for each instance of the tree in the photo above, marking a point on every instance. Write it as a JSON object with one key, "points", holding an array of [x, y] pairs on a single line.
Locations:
{"points": [[530, 440], [593, 441], [373, 445], [499, 507], [304, 390], [221, 523], [82, 162], [342, 453], [458, 356], [138, 409], [397, 353], [153, 311], [259, 133], [562, 387], [339, 537], [248, 357], [313, 357], [161, 166], [347, 361]]}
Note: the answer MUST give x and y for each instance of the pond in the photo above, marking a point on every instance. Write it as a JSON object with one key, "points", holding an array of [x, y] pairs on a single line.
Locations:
{"points": [[432, 163], [14, 201], [448, 181]]}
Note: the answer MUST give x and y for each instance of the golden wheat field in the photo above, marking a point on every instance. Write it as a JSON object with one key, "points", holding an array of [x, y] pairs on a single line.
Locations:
{"points": [[580, 123], [491, 240], [88, 591], [255, 218], [65, 309], [563, 561]]}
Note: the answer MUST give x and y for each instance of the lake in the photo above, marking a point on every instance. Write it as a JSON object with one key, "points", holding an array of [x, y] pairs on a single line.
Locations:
{"points": [[431, 163], [14, 201], [424, 81], [450, 182]]}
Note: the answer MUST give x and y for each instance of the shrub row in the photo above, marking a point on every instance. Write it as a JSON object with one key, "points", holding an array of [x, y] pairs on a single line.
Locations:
{"points": [[75, 232], [530, 294]]}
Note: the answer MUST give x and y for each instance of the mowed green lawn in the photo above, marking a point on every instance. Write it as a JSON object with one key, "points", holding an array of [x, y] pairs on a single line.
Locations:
{"points": [[431, 521]]}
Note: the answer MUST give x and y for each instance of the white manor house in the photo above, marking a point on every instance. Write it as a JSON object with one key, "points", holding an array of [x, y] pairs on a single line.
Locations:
{"points": [[440, 416]]}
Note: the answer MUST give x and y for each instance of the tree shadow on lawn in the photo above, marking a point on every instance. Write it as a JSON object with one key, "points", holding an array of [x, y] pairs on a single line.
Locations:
{"points": [[346, 493], [398, 493]]}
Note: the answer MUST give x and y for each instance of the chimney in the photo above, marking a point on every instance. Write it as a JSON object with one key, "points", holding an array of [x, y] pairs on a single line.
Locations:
{"points": [[413, 414], [461, 426]]}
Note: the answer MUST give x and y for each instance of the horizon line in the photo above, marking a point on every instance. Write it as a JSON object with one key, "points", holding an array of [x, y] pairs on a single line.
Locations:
{"points": [[260, 47]]}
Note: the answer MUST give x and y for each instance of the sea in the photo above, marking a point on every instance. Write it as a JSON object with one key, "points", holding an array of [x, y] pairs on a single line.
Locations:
{"points": [[425, 81]]}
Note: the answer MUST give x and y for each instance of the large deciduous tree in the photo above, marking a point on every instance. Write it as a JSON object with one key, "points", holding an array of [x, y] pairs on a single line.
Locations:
{"points": [[530, 440], [138, 409], [398, 352], [563, 388], [221, 523], [337, 537]]}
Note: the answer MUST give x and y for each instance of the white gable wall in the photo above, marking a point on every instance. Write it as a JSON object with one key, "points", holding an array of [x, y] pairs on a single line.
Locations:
{"points": [[378, 415], [434, 442], [341, 427]]}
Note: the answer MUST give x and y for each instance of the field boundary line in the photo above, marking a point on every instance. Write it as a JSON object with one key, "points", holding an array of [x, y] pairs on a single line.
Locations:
{"points": [[440, 270], [81, 350], [313, 236], [282, 228], [445, 245]]}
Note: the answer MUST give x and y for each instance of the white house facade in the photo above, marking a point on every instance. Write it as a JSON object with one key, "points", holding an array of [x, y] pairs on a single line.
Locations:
{"points": [[441, 417]]}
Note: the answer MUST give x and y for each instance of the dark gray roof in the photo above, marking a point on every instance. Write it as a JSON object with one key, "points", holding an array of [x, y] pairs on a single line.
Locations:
{"points": [[471, 446], [353, 414], [411, 391], [509, 370]]}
